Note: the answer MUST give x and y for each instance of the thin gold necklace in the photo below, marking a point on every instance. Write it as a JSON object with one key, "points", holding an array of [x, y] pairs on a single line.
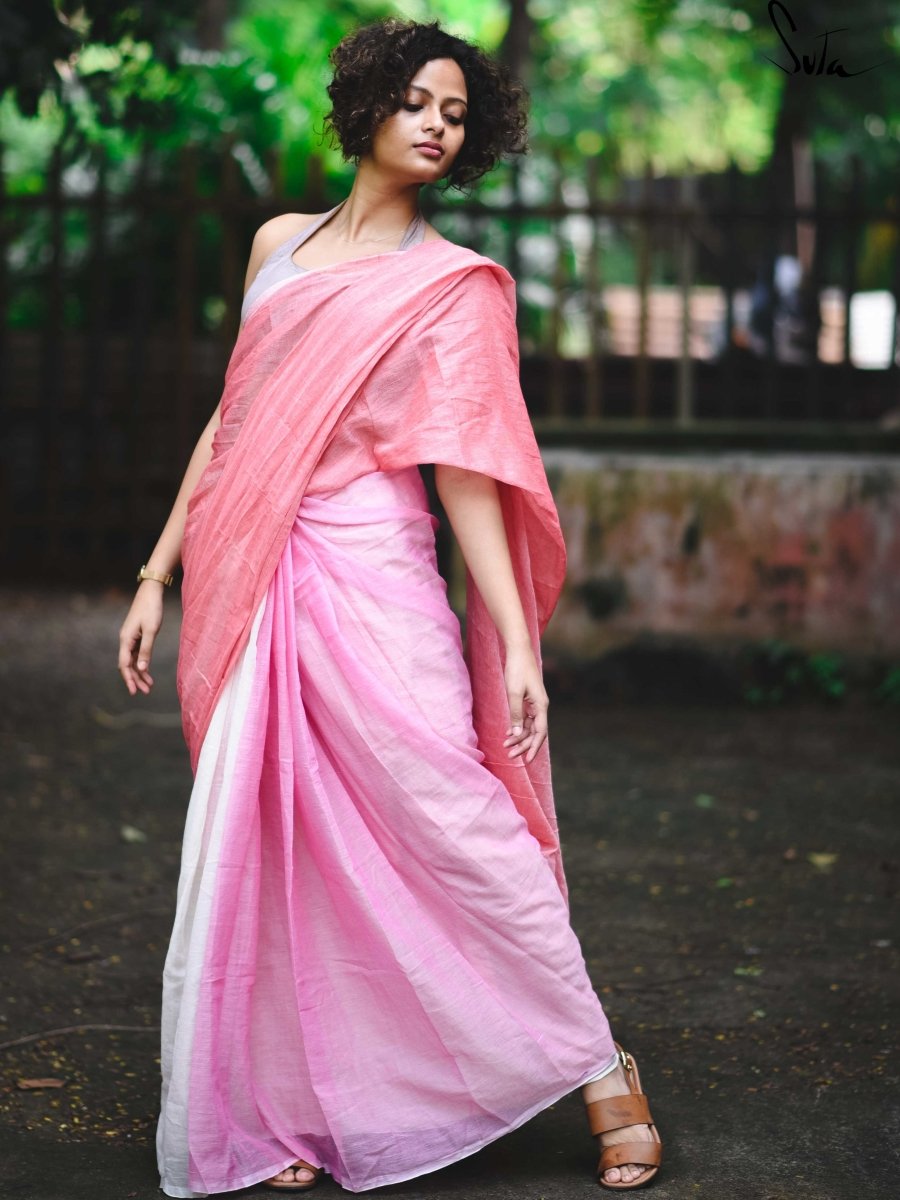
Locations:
{"points": [[388, 237]]}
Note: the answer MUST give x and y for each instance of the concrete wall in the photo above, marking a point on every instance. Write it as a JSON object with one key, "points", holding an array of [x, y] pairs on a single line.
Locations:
{"points": [[728, 547]]}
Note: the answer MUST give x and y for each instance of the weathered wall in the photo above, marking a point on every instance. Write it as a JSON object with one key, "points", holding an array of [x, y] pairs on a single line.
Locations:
{"points": [[728, 547]]}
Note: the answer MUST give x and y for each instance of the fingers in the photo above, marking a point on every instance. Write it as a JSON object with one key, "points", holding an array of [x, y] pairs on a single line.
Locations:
{"points": [[530, 743], [528, 704], [527, 735], [143, 661], [136, 674], [136, 638], [126, 643], [516, 730]]}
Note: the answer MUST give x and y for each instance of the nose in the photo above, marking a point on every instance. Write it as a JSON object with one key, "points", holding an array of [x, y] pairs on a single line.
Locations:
{"points": [[435, 120]]}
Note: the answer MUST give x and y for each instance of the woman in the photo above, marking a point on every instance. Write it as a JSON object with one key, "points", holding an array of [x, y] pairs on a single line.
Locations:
{"points": [[372, 970]]}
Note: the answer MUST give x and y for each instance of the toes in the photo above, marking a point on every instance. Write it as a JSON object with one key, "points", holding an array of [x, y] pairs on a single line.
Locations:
{"points": [[294, 1175], [623, 1174]]}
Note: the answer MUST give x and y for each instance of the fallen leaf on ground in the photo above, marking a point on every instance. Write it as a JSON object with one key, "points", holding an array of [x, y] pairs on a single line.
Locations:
{"points": [[823, 861], [131, 834]]}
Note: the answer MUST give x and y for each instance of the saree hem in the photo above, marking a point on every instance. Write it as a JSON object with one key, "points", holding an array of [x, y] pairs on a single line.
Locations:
{"points": [[473, 1149], [403, 1176]]}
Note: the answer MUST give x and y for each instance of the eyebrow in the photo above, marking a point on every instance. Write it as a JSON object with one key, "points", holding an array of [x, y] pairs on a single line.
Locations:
{"points": [[419, 88]]}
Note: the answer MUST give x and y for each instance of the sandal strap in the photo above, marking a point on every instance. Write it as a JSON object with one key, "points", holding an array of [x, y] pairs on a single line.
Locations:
{"points": [[644, 1154], [613, 1112]]}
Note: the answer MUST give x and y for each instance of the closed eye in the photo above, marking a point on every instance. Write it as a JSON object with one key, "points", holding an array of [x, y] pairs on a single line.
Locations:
{"points": [[417, 108]]}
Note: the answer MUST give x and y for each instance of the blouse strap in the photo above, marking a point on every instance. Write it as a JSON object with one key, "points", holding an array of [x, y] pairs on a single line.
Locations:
{"points": [[308, 230]]}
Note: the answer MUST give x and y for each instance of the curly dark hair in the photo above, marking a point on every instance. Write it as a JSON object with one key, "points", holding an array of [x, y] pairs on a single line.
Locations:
{"points": [[372, 69]]}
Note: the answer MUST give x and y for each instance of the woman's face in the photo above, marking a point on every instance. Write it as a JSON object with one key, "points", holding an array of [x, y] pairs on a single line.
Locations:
{"points": [[433, 110]]}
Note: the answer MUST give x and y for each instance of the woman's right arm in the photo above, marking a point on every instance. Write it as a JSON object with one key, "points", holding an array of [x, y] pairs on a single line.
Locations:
{"points": [[141, 625]]}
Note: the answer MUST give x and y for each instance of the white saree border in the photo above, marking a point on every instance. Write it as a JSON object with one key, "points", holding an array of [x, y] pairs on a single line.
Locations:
{"points": [[204, 824]]}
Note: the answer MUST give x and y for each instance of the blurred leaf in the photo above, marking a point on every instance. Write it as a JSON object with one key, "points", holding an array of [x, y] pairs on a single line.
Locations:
{"points": [[130, 834], [823, 861]]}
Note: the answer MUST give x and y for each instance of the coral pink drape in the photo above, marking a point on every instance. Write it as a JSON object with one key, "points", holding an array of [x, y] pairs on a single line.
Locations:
{"points": [[427, 340]]}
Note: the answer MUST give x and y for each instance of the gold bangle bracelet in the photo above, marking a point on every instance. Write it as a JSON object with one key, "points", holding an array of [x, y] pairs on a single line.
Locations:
{"points": [[159, 576]]}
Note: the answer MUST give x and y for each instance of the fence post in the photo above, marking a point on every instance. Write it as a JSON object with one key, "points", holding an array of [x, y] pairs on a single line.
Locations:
{"points": [[772, 240], [314, 194], [685, 385], [557, 383], [52, 358], [641, 362], [95, 379], [5, 366], [141, 316], [729, 242], [185, 289], [593, 284], [817, 244], [895, 289], [853, 225], [514, 229], [232, 252]]}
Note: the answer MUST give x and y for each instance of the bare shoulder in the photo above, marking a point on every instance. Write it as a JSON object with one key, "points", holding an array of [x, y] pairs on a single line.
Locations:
{"points": [[278, 229], [270, 236], [432, 235]]}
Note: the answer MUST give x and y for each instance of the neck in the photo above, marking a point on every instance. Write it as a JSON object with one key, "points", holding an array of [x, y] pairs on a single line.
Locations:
{"points": [[374, 211]]}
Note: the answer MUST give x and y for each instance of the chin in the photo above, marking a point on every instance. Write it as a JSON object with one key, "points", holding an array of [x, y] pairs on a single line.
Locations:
{"points": [[432, 176]]}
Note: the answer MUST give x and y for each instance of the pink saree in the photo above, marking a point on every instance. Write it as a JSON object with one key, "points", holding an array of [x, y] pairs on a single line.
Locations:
{"points": [[371, 966]]}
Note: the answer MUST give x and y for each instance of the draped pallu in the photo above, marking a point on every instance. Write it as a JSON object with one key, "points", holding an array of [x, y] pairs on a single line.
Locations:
{"points": [[427, 340]]}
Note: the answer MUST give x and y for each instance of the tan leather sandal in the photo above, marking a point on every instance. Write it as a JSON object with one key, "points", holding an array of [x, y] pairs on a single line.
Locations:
{"points": [[629, 1108], [300, 1185]]}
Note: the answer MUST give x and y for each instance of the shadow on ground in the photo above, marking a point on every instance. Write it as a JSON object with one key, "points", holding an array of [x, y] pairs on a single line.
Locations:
{"points": [[733, 880]]}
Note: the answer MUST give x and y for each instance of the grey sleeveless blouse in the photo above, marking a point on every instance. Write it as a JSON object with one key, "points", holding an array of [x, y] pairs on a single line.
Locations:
{"points": [[279, 266]]}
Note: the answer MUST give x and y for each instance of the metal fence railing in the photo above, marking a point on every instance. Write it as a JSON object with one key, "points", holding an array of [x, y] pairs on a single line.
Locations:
{"points": [[697, 311]]}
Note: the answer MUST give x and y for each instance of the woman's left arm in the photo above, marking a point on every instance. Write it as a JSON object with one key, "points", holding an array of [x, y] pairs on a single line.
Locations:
{"points": [[472, 504]]}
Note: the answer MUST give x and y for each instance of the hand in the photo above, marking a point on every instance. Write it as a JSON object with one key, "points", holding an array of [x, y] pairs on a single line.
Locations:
{"points": [[528, 702], [139, 629]]}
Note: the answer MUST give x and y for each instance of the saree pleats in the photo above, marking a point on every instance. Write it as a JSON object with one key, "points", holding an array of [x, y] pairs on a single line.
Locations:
{"points": [[372, 965]]}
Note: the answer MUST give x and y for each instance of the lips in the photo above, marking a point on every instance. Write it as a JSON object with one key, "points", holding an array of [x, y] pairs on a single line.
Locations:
{"points": [[435, 149]]}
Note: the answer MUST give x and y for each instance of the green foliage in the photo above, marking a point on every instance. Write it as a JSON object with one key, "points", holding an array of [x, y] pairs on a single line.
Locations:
{"points": [[119, 79], [94, 54], [688, 84], [676, 83], [888, 690], [779, 672]]}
